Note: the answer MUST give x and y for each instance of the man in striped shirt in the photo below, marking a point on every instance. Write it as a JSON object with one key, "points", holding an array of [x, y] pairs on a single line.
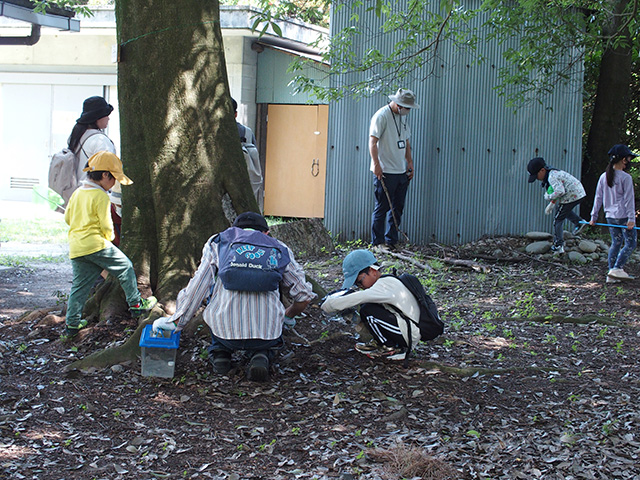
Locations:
{"points": [[240, 320]]}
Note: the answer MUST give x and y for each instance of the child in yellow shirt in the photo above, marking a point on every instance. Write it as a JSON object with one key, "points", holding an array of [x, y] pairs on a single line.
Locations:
{"points": [[91, 232]]}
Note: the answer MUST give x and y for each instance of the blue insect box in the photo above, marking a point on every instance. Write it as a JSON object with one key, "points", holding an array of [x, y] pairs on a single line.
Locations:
{"points": [[158, 352]]}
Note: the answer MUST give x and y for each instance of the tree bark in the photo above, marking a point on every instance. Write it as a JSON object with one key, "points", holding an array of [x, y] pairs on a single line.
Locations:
{"points": [[610, 107], [180, 143]]}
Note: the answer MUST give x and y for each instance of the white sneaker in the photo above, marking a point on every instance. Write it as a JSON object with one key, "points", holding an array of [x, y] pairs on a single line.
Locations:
{"points": [[612, 280], [619, 274]]}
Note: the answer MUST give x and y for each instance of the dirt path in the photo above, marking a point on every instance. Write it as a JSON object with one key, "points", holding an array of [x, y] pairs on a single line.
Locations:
{"points": [[515, 388]]}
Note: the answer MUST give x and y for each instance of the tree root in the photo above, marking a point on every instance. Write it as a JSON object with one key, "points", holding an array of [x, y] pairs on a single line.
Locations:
{"points": [[585, 320], [472, 371], [129, 351]]}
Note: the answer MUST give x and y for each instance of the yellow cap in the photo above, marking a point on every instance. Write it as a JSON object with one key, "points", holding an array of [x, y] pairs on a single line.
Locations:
{"points": [[108, 162]]}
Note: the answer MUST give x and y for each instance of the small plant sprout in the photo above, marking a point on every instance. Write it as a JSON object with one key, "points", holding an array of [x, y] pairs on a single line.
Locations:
{"points": [[473, 433], [525, 306], [448, 343], [295, 430], [489, 327], [618, 346], [603, 332], [608, 427], [264, 446]]}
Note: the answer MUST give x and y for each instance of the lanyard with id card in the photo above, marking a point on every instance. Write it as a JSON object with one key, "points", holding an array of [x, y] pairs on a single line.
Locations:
{"points": [[401, 143]]}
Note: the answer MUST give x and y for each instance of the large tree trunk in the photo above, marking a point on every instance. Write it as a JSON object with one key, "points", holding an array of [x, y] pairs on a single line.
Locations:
{"points": [[179, 140], [610, 107]]}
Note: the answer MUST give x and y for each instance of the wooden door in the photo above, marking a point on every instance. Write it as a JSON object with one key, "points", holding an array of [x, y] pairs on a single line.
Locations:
{"points": [[295, 165]]}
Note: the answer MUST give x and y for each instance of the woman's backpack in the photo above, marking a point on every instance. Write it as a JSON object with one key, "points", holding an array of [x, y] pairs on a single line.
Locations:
{"points": [[63, 169]]}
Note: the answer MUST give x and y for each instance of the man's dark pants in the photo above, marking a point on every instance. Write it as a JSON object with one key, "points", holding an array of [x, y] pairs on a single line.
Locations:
{"points": [[397, 184]]}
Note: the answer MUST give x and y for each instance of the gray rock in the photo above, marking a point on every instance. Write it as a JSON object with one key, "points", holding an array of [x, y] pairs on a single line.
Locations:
{"points": [[577, 257], [587, 247], [498, 253], [117, 368], [538, 236], [594, 256], [602, 244], [538, 247]]}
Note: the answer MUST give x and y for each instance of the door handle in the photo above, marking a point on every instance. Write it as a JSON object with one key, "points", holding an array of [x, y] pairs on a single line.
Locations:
{"points": [[315, 167]]}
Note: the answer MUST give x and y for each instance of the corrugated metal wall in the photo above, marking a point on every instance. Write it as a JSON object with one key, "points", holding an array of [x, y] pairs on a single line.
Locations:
{"points": [[274, 78], [470, 151]]}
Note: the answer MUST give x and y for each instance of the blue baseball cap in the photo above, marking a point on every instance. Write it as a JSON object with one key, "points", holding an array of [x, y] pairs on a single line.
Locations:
{"points": [[354, 263]]}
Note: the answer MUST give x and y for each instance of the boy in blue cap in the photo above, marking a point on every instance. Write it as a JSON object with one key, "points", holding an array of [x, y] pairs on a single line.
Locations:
{"points": [[377, 296]]}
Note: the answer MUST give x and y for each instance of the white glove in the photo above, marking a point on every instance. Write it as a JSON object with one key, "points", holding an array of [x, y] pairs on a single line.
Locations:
{"points": [[163, 323], [289, 322], [549, 209]]}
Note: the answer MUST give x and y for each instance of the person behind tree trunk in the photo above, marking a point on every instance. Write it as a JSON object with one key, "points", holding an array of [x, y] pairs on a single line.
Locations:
{"points": [[615, 192], [391, 165], [246, 315], [90, 236], [389, 330], [564, 192], [88, 138], [252, 158]]}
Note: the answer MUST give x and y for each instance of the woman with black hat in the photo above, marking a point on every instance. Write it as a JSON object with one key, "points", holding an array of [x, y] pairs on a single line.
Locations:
{"points": [[88, 138]]}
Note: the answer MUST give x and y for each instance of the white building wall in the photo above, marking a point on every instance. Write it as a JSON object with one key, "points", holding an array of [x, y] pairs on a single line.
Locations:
{"points": [[42, 88]]}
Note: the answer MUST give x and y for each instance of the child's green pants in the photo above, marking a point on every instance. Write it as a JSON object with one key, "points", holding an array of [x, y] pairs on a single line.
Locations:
{"points": [[85, 273]]}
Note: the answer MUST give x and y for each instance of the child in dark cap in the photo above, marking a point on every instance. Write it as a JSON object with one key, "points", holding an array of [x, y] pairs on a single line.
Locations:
{"points": [[564, 192]]}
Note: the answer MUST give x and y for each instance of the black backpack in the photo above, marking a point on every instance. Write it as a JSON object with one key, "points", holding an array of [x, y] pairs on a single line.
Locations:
{"points": [[430, 324]]}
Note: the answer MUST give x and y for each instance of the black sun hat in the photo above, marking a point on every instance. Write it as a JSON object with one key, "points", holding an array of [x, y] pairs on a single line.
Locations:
{"points": [[93, 109]]}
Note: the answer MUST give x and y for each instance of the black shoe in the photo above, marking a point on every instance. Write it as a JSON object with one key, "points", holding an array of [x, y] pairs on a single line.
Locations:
{"points": [[220, 361], [258, 367]]}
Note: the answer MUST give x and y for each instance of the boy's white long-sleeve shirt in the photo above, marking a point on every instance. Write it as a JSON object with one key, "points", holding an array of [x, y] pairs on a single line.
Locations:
{"points": [[387, 290]]}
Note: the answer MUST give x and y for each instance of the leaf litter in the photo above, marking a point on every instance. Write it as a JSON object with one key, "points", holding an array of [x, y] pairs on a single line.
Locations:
{"points": [[535, 377]]}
